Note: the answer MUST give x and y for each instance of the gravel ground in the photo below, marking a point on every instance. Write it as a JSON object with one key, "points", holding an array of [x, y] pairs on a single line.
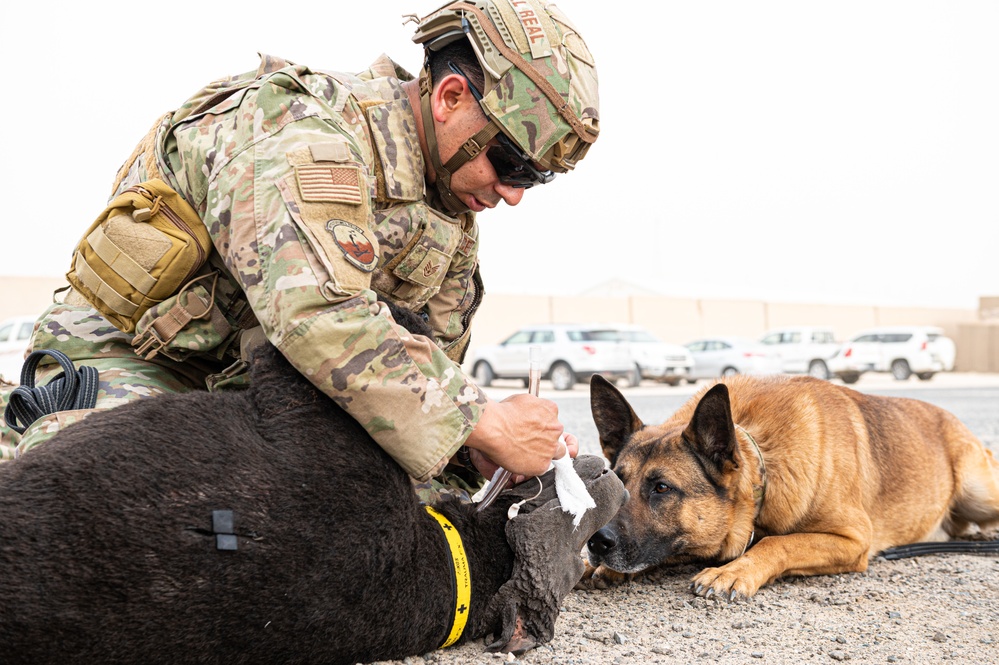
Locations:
{"points": [[931, 609]]}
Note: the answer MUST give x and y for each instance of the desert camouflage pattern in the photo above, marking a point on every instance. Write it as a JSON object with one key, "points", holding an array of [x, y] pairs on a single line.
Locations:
{"points": [[311, 185], [85, 336], [549, 44], [460, 486], [204, 329]]}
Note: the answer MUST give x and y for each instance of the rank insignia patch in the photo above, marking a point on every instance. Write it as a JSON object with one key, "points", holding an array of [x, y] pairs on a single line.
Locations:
{"points": [[322, 182], [431, 269], [355, 245]]}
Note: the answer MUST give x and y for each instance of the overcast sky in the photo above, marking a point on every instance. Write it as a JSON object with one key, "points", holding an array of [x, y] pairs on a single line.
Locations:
{"points": [[837, 152]]}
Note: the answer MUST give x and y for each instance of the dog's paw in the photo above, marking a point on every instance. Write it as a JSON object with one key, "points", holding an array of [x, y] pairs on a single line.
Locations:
{"points": [[585, 581], [600, 577], [722, 584]]}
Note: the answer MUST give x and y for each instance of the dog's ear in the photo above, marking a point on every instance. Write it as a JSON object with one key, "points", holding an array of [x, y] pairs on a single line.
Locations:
{"points": [[712, 431], [615, 419]]}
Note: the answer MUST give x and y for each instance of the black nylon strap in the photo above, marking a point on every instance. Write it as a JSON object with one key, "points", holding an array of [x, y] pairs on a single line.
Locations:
{"points": [[958, 546], [70, 389]]}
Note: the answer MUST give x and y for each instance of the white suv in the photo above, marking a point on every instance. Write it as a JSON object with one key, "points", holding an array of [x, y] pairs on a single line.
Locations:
{"points": [[569, 353], [901, 350], [654, 358], [803, 349]]}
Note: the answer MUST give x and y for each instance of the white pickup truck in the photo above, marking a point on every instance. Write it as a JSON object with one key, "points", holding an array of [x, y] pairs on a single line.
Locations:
{"points": [[803, 349]]}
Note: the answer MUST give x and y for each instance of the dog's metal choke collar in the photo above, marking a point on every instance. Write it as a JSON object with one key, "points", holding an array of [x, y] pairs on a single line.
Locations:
{"points": [[759, 491], [462, 577]]}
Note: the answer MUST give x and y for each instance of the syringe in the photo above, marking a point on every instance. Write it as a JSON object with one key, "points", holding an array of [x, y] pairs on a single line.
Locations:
{"points": [[501, 477]]}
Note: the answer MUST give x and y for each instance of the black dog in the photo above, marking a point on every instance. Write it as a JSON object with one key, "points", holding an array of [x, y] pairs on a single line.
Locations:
{"points": [[109, 552]]}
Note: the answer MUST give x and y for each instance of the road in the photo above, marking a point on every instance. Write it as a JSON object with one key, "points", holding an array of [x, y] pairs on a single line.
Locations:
{"points": [[972, 397]]}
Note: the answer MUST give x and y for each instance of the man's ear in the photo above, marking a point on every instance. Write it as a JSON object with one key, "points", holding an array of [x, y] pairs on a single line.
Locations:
{"points": [[449, 93]]}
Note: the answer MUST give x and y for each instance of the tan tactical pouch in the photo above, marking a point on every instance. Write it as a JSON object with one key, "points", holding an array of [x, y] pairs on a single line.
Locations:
{"points": [[142, 249]]}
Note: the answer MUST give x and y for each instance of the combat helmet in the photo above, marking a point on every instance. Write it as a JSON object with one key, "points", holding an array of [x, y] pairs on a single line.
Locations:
{"points": [[540, 90]]}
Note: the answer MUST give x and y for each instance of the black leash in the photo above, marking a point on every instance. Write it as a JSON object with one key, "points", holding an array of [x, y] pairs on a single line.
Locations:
{"points": [[71, 389], [958, 546]]}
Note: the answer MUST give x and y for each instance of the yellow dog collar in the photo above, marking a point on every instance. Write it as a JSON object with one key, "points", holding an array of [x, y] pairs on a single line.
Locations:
{"points": [[462, 577]]}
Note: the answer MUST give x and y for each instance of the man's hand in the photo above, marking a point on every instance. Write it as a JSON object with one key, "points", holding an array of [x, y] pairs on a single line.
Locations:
{"points": [[520, 434]]}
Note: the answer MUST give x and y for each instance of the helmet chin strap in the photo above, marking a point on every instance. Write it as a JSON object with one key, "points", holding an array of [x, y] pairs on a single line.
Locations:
{"points": [[468, 151]]}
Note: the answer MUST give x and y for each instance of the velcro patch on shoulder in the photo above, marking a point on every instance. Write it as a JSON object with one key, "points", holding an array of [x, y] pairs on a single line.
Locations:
{"points": [[466, 245], [338, 235], [330, 152], [330, 183]]}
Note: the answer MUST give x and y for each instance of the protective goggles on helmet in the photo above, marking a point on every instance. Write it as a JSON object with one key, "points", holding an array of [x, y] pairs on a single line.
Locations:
{"points": [[513, 166]]}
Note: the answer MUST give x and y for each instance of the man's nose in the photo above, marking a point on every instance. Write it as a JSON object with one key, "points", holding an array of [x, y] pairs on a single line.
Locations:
{"points": [[510, 195]]}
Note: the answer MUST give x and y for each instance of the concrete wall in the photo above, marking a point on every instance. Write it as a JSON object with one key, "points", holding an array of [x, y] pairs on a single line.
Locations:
{"points": [[671, 318], [678, 320], [978, 346], [988, 308]]}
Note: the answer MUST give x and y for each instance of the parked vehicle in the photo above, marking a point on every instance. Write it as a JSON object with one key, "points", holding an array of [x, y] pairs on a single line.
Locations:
{"points": [[15, 335], [652, 357], [803, 349], [569, 353], [725, 356], [901, 350]]}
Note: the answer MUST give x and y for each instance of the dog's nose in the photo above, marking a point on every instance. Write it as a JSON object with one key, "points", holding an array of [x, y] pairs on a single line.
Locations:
{"points": [[603, 541]]}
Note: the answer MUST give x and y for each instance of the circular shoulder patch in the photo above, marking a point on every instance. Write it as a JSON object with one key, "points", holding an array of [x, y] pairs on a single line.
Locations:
{"points": [[355, 245]]}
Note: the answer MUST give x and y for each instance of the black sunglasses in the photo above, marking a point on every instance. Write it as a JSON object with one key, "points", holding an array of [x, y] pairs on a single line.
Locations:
{"points": [[513, 166]]}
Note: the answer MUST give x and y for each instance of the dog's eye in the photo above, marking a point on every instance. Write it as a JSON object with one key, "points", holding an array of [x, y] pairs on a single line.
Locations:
{"points": [[661, 488]]}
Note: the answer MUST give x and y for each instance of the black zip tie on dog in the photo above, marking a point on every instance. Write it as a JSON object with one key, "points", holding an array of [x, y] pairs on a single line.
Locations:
{"points": [[70, 389], [951, 546]]}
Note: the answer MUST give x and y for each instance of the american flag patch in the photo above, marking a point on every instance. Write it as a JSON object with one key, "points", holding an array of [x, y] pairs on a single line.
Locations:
{"points": [[329, 183]]}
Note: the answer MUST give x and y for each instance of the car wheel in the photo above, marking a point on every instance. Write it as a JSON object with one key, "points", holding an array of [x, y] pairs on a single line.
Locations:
{"points": [[849, 378], [925, 376], [818, 369], [900, 370], [729, 371], [562, 377], [484, 374], [635, 377]]}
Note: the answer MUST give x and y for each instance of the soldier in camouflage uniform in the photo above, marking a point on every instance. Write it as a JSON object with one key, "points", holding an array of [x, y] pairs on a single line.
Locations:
{"points": [[322, 191]]}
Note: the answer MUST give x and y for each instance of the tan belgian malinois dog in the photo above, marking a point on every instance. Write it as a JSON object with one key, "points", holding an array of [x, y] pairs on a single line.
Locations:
{"points": [[784, 476]]}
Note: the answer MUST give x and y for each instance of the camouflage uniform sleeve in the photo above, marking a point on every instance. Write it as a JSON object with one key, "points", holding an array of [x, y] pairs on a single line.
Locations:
{"points": [[299, 242]]}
